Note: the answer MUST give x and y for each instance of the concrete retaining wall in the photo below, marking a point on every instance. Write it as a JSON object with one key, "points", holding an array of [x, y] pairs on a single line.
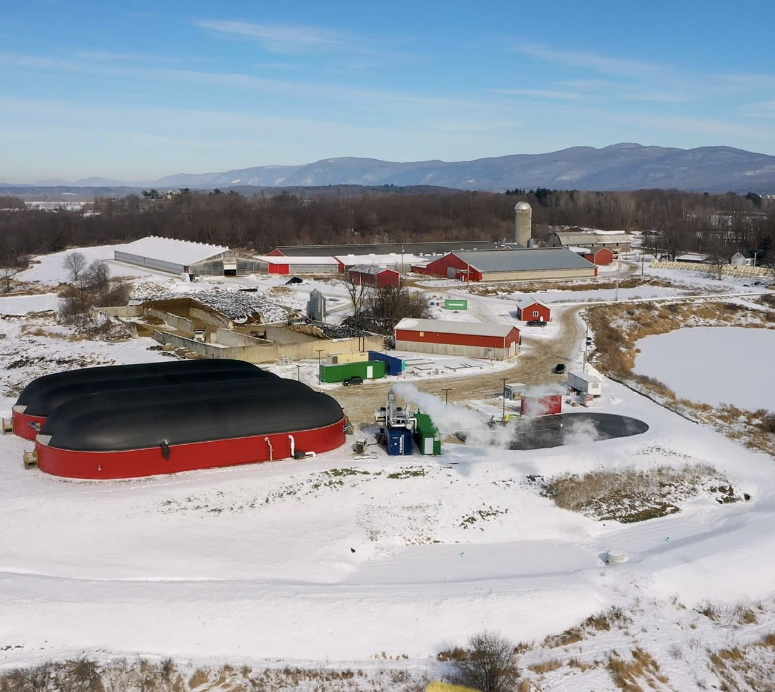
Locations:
{"points": [[242, 347], [176, 322]]}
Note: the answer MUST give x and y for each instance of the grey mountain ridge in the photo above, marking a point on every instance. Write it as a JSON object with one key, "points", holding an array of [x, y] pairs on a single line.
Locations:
{"points": [[624, 166]]}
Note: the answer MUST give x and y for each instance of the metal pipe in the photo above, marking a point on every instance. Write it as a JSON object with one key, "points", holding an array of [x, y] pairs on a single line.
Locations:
{"points": [[271, 451], [293, 445]]}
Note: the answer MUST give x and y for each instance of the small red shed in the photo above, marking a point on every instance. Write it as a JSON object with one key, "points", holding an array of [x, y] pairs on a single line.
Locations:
{"points": [[374, 276], [533, 406], [531, 309], [599, 255]]}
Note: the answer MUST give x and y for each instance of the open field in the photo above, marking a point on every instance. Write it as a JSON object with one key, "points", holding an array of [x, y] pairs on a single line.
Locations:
{"points": [[349, 574]]}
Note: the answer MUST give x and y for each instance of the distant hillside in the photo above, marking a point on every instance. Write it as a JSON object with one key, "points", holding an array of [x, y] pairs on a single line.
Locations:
{"points": [[617, 167]]}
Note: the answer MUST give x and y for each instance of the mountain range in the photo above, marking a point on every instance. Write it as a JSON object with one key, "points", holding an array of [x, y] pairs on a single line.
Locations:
{"points": [[617, 167]]}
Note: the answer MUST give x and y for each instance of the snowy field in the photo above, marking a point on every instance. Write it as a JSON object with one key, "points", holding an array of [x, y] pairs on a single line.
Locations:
{"points": [[48, 268], [713, 365], [21, 305], [338, 560]]}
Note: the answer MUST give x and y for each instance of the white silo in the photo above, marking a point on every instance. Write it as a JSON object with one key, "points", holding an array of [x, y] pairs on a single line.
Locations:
{"points": [[523, 223]]}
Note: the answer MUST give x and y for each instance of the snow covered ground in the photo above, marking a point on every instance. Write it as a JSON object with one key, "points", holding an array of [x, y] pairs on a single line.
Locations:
{"points": [[48, 268], [346, 561], [713, 365], [336, 559], [21, 305]]}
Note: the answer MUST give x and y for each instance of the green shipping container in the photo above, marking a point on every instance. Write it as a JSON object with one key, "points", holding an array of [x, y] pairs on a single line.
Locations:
{"points": [[427, 436], [456, 305], [368, 370]]}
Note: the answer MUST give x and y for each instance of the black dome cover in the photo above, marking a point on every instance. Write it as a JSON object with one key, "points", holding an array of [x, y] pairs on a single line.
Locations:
{"points": [[47, 401], [180, 395], [277, 410], [112, 372]]}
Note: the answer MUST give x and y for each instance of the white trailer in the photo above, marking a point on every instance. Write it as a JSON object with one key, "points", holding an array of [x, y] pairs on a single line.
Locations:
{"points": [[584, 383]]}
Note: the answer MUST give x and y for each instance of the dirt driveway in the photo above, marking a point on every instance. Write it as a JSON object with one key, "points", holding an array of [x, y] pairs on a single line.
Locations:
{"points": [[532, 368]]}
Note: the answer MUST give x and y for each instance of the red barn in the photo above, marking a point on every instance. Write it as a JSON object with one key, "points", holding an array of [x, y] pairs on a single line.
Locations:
{"points": [[523, 264], [374, 276], [599, 255], [531, 309], [468, 339], [453, 267]]}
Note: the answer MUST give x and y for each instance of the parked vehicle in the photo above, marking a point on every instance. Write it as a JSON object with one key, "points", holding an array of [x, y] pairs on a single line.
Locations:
{"points": [[355, 379], [585, 384], [535, 323], [559, 369]]}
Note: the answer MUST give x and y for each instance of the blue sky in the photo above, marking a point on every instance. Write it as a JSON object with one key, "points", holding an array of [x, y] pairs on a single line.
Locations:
{"points": [[137, 90]]}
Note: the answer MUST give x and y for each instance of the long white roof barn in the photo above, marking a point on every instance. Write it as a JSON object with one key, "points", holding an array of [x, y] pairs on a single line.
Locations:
{"points": [[167, 254], [172, 250]]}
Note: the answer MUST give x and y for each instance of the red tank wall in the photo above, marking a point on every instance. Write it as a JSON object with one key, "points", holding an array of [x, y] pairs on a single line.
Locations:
{"points": [[21, 425], [137, 463]]}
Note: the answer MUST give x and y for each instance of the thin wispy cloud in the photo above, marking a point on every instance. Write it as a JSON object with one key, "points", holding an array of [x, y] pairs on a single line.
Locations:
{"points": [[538, 93], [283, 39], [239, 81], [295, 40], [593, 61], [101, 56]]}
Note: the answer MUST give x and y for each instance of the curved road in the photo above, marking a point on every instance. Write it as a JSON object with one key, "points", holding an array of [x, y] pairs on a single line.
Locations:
{"points": [[534, 367]]}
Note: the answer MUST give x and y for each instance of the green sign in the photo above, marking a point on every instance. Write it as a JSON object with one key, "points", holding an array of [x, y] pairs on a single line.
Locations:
{"points": [[456, 305]]}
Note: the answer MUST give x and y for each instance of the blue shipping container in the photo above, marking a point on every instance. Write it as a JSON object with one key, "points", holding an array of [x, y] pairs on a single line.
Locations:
{"points": [[395, 366], [399, 441]]}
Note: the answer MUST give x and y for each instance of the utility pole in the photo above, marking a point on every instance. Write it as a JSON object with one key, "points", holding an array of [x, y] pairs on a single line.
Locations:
{"points": [[618, 264], [298, 372], [586, 346], [446, 396], [319, 351], [642, 262], [503, 397]]}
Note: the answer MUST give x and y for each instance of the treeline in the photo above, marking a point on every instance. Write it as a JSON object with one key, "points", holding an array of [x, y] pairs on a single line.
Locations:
{"points": [[262, 222]]}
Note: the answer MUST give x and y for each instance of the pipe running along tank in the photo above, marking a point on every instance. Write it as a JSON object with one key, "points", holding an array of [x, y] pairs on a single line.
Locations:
{"points": [[168, 437]]}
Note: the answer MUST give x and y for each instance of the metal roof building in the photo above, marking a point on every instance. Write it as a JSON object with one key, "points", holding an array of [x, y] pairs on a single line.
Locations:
{"points": [[373, 275], [469, 339], [513, 265], [383, 248], [168, 254], [579, 237]]}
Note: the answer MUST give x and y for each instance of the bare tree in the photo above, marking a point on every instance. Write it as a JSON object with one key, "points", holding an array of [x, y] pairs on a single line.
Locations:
{"points": [[489, 665], [75, 264], [357, 291], [97, 276], [718, 256], [387, 306], [6, 277]]}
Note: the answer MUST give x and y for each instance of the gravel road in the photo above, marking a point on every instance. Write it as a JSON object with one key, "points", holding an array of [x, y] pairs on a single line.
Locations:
{"points": [[532, 368]]}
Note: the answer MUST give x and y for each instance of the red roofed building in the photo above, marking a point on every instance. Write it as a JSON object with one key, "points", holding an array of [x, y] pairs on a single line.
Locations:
{"points": [[374, 276], [599, 255], [468, 339], [531, 309]]}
